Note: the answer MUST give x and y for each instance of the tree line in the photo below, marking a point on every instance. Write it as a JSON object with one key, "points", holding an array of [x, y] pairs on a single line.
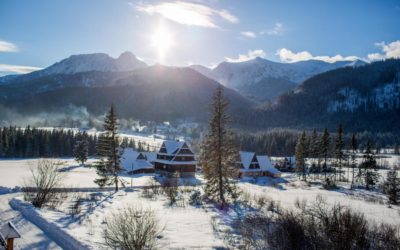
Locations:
{"points": [[17, 142]]}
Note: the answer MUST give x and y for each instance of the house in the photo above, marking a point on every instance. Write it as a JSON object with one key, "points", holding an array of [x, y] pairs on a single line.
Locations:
{"points": [[137, 162], [286, 164], [8, 232], [252, 165], [175, 158]]}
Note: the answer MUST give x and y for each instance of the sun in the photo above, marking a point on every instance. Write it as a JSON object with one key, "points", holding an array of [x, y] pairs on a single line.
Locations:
{"points": [[162, 41]]}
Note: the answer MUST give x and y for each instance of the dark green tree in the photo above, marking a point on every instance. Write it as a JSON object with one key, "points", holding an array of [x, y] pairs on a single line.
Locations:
{"points": [[81, 149], [392, 186], [108, 152], [324, 150], [301, 156], [369, 173], [339, 155], [219, 153], [354, 147]]}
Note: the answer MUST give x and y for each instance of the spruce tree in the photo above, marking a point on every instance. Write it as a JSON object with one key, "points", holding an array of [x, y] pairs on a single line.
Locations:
{"points": [[354, 146], [392, 187], [81, 149], [324, 150], [108, 165], [314, 147], [219, 153], [301, 155], [339, 155], [369, 172]]}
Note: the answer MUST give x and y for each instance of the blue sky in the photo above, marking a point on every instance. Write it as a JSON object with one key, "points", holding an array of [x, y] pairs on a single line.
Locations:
{"points": [[35, 34]]}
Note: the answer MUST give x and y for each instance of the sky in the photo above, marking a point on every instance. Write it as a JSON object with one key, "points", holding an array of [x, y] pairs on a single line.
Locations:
{"points": [[35, 34]]}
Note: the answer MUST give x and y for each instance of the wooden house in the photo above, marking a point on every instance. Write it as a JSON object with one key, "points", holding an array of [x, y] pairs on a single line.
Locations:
{"points": [[137, 162], [253, 165], [175, 158]]}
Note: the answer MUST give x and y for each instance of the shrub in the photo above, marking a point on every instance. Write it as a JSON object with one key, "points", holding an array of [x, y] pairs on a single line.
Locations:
{"points": [[132, 228], [41, 186]]}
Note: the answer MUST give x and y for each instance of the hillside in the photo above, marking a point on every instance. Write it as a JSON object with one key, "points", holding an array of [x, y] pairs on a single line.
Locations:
{"points": [[362, 98]]}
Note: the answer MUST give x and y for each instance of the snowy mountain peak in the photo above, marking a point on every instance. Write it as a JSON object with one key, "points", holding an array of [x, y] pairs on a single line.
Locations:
{"points": [[94, 62]]}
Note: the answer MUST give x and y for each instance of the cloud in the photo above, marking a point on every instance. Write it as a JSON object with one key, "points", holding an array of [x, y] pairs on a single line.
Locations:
{"points": [[391, 50], [251, 54], [287, 55], [7, 47], [249, 34], [18, 69], [277, 30], [191, 14]]}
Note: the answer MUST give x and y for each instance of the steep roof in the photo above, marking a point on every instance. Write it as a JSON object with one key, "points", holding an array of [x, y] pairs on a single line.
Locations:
{"points": [[263, 160], [9, 231], [130, 161], [173, 146], [246, 158]]}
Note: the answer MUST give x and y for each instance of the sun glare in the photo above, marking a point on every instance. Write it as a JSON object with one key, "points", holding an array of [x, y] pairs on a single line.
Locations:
{"points": [[162, 41]]}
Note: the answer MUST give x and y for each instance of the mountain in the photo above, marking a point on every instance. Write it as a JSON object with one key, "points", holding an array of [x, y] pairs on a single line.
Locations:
{"points": [[265, 79], [365, 98], [94, 62], [152, 93]]}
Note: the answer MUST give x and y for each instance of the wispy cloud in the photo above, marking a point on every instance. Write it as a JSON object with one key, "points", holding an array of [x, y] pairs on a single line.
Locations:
{"points": [[251, 54], [7, 46], [391, 50], [192, 14], [287, 55], [18, 69], [249, 34], [277, 30]]}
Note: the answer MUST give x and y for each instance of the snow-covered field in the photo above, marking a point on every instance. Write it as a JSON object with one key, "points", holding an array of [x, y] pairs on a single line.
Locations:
{"points": [[186, 226]]}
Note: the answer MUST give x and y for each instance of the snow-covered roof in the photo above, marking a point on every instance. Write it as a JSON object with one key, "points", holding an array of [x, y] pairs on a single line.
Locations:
{"points": [[173, 146], [9, 231], [246, 158], [130, 161], [264, 162]]}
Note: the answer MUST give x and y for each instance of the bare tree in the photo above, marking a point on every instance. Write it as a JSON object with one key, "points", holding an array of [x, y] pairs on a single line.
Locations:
{"points": [[45, 178], [132, 228]]}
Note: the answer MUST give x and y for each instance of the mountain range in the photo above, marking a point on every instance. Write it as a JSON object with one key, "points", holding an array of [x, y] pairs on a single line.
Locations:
{"points": [[264, 80], [302, 95]]}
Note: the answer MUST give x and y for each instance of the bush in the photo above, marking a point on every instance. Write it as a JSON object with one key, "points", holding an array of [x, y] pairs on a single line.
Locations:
{"points": [[170, 188], [196, 198], [316, 226], [40, 188], [132, 228]]}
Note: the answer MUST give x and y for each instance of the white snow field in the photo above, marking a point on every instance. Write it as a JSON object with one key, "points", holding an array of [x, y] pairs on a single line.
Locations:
{"points": [[185, 226]]}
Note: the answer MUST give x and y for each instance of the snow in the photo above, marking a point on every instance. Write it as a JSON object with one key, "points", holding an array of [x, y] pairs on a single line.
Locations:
{"points": [[15, 172], [237, 75], [387, 96], [62, 238], [288, 189], [186, 227], [130, 161], [32, 236], [172, 146]]}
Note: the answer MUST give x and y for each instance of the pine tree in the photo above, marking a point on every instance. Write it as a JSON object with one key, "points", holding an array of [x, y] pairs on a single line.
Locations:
{"points": [[339, 155], [81, 149], [314, 147], [396, 149], [324, 150], [392, 187], [354, 146], [368, 167], [109, 165], [219, 154], [301, 155]]}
